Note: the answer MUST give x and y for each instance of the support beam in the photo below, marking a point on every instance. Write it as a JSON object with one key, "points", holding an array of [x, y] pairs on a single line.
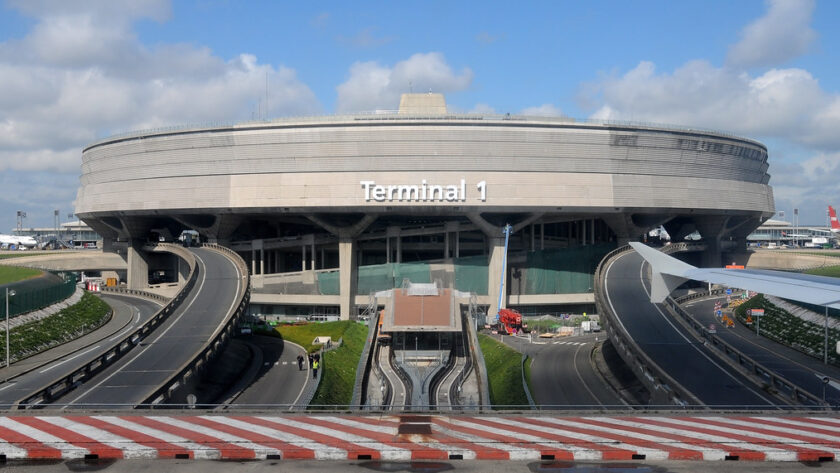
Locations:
{"points": [[138, 266], [348, 275]]}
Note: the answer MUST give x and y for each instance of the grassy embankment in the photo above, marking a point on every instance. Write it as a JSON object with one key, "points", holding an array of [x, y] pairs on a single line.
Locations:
{"points": [[504, 373], [339, 365], [783, 327], [9, 274], [85, 316]]}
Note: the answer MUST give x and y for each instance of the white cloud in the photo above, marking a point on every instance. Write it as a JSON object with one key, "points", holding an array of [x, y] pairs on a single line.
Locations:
{"points": [[786, 103], [373, 86], [783, 33], [80, 73], [544, 110]]}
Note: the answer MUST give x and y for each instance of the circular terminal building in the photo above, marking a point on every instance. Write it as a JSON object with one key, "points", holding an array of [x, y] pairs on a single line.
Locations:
{"points": [[330, 210]]}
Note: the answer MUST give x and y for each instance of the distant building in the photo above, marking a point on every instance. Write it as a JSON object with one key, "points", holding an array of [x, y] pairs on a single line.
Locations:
{"points": [[781, 233], [77, 234]]}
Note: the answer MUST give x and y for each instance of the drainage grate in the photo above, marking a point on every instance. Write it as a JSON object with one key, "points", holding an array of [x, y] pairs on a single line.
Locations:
{"points": [[731, 457], [456, 456]]}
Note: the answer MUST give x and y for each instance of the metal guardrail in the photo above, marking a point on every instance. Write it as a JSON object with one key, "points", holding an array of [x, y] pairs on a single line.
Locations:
{"points": [[134, 292], [214, 345], [662, 387], [365, 361], [743, 361], [69, 382], [477, 357]]}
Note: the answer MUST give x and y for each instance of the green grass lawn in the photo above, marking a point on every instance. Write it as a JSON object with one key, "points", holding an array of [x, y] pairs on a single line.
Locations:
{"points": [[338, 367], [304, 334], [10, 274], [504, 373], [83, 317], [831, 271]]}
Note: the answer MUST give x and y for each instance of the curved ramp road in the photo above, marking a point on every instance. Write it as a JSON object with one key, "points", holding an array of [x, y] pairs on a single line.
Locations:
{"points": [[131, 379], [797, 367], [32, 374], [686, 360]]}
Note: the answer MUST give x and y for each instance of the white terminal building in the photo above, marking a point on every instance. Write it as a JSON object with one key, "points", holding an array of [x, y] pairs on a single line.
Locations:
{"points": [[329, 210]]}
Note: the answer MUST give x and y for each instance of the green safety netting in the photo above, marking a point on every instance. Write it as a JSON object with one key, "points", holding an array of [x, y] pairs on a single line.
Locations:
{"points": [[471, 274], [563, 271], [377, 277]]}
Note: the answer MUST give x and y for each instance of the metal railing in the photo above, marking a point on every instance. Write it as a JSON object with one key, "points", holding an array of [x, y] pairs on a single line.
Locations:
{"points": [[217, 341], [742, 361], [662, 387], [67, 383]]}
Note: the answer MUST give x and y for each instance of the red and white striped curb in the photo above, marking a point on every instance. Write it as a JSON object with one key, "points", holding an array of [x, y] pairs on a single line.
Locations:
{"points": [[421, 437]]}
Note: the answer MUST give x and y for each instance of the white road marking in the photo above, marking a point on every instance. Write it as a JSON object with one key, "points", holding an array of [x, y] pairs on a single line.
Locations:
{"points": [[69, 359]]}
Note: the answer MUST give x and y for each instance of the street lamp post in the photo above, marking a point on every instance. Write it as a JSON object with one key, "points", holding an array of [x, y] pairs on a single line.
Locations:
{"points": [[8, 294]]}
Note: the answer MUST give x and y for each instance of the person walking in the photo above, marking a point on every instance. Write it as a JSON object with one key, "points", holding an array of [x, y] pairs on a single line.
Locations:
{"points": [[311, 359], [315, 366], [300, 362]]}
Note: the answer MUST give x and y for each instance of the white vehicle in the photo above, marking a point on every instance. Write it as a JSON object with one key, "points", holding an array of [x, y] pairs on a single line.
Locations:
{"points": [[17, 242]]}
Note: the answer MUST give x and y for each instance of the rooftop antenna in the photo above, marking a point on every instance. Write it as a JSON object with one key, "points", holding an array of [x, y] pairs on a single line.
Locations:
{"points": [[410, 87]]}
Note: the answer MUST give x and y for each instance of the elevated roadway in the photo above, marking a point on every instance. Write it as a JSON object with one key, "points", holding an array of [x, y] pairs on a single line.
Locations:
{"points": [[28, 375], [795, 366], [202, 314], [627, 293]]}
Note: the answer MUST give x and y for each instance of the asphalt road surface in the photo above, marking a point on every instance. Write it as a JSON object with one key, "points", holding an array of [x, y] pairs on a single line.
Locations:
{"points": [[668, 344], [799, 368], [279, 381], [563, 375], [136, 375], [34, 373]]}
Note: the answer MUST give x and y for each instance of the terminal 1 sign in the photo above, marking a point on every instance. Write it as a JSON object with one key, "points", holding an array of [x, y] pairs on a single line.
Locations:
{"points": [[424, 192]]}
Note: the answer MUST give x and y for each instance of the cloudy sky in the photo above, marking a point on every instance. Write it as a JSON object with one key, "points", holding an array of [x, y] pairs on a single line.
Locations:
{"points": [[72, 72]]}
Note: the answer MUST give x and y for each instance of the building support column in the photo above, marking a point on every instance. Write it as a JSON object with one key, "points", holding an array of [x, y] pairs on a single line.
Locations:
{"points": [[138, 266], [348, 275], [712, 229], [494, 275], [348, 267]]}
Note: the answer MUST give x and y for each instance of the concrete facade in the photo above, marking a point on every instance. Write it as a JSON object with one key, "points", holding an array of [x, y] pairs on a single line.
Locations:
{"points": [[337, 192]]}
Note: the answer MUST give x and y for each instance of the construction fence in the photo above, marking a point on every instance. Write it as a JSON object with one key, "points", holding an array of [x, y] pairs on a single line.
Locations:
{"points": [[554, 271]]}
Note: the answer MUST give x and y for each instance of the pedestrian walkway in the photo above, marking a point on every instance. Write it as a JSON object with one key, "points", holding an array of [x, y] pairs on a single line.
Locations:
{"points": [[414, 437]]}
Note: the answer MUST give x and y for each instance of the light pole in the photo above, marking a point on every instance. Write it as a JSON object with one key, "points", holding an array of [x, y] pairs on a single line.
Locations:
{"points": [[8, 294]]}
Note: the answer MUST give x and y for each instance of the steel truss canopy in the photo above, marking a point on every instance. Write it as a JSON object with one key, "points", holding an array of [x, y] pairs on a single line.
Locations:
{"points": [[668, 272]]}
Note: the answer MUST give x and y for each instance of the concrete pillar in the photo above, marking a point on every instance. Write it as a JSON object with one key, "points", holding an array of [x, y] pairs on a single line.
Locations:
{"points": [[712, 230], [303, 257], [446, 252], [457, 244], [348, 274], [542, 236], [314, 256], [138, 267], [494, 274], [387, 249]]}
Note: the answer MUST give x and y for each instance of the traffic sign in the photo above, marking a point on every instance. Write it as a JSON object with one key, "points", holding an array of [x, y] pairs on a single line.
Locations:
{"points": [[719, 312], [728, 292], [756, 312]]}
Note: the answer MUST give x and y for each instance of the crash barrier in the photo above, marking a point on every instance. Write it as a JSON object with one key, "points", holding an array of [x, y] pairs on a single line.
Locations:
{"points": [[124, 291], [742, 361], [67, 383], [215, 344], [476, 357], [662, 387], [28, 299], [366, 360]]}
